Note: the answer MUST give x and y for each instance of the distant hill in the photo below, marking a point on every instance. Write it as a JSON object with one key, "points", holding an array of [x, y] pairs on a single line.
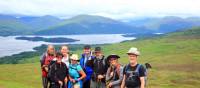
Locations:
{"points": [[39, 23], [166, 24], [10, 25], [88, 24]]}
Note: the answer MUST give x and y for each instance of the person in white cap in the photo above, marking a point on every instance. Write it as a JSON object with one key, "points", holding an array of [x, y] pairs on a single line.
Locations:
{"points": [[76, 73], [133, 73]]}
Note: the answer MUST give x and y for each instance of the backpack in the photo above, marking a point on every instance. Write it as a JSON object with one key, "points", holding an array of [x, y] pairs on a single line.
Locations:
{"points": [[132, 77], [104, 61], [50, 69], [53, 64]]}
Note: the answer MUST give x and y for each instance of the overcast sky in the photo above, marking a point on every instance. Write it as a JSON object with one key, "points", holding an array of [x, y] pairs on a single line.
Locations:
{"points": [[117, 9]]}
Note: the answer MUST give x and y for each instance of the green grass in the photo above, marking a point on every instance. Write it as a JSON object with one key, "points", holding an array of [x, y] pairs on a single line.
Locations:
{"points": [[175, 59]]}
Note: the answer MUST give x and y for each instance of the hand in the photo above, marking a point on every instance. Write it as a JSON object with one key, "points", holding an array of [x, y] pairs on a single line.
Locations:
{"points": [[78, 79], [110, 85], [46, 69], [100, 76], [72, 80], [66, 79], [111, 74], [60, 82]]}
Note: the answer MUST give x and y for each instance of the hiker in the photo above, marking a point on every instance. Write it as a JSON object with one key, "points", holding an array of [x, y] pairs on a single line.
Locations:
{"points": [[133, 73], [86, 63], [114, 74], [76, 73], [58, 73], [65, 52], [99, 69], [45, 60]]}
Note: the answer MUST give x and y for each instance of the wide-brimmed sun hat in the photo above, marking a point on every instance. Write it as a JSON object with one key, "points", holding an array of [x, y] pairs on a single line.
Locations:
{"points": [[74, 57], [133, 50], [113, 56]]}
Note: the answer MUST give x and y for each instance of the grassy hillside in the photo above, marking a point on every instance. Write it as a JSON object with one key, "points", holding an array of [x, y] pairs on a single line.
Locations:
{"points": [[175, 59]]}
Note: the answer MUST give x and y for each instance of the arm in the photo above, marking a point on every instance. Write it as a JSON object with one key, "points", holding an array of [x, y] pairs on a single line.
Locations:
{"points": [[123, 82], [81, 72], [66, 73], [142, 82], [42, 59], [108, 74], [83, 75], [142, 76], [120, 78]]}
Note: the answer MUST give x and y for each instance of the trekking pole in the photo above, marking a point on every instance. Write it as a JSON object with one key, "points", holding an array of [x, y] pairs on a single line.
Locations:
{"points": [[61, 86], [98, 83]]}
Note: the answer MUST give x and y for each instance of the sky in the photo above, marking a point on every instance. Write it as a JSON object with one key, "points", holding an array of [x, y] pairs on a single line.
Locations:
{"points": [[116, 9]]}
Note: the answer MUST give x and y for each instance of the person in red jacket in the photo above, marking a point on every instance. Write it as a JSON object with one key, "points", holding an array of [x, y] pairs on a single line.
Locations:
{"points": [[45, 60]]}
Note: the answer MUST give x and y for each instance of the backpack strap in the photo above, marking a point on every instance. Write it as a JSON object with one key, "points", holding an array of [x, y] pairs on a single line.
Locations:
{"points": [[137, 68], [117, 69], [102, 59], [126, 67], [75, 68]]}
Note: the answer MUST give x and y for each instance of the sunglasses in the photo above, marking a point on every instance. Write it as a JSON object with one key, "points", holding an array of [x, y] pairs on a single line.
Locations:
{"points": [[73, 60], [111, 59]]}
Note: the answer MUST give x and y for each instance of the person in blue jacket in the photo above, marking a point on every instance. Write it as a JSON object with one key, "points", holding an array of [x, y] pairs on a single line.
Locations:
{"points": [[86, 62]]}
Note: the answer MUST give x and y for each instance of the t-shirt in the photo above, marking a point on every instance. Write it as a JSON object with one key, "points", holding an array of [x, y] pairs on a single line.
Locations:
{"points": [[66, 61], [136, 81], [74, 70], [141, 70]]}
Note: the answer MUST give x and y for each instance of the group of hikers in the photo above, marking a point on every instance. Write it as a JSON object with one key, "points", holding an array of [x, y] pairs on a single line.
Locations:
{"points": [[93, 70]]}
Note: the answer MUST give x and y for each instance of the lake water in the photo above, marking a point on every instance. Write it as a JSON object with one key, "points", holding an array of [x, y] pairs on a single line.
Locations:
{"points": [[9, 45]]}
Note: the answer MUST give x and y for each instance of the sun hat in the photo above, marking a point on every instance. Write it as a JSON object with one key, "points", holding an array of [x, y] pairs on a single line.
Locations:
{"points": [[134, 51], [74, 57], [113, 56]]}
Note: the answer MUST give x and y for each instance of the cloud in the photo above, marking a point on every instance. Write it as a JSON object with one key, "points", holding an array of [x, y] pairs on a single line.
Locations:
{"points": [[117, 9]]}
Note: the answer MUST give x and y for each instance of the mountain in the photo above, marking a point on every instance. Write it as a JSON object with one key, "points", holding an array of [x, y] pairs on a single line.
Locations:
{"points": [[10, 25], [88, 24], [166, 24], [39, 23]]}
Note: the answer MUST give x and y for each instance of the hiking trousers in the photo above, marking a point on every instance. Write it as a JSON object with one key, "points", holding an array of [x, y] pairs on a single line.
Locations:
{"points": [[86, 84], [95, 84], [45, 82]]}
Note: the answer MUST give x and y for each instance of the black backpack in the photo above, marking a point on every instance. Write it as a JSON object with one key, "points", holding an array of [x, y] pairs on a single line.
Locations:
{"points": [[132, 77]]}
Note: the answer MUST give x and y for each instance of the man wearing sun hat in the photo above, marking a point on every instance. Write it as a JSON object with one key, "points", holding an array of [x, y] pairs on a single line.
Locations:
{"points": [[133, 73]]}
